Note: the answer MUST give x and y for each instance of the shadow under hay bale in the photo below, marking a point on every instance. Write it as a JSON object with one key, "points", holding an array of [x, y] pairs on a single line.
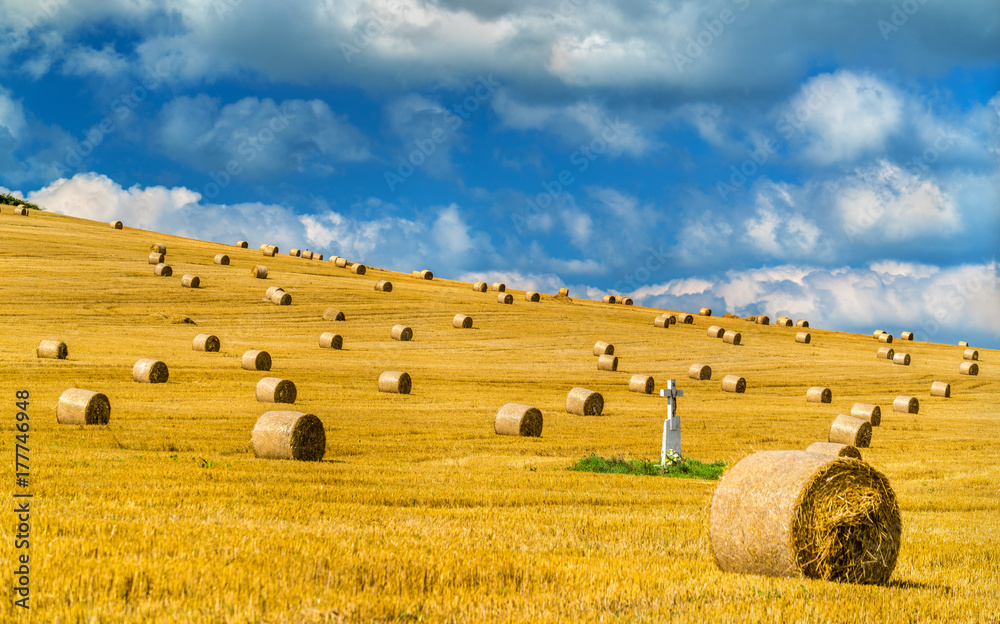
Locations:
{"points": [[819, 394], [330, 340], [284, 434], [850, 430], [906, 405], [156, 258], [803, 337], [885, 353], [383, 286], [609, 299], [968, 368], [903, 359], [941, 389], [54, 349], [607, 363], [243, 244], [206, 342], [833, 449], [642, 384], [116, 225], [221, 259], [256, 360], [872, 414], [505, 298], [970, 354], [191, 281], [359, 269], [83, 407], [259, 271], [150, 370], [802, 323], [401, 332], [461, 321], [583, 402], [276, 390], [799, 514], [701, 372], [732, 337], [480, 287], [516, 419], [333, 314], [603, 348], [395, 382], [163, 270], [532, 297], [734, 383]]}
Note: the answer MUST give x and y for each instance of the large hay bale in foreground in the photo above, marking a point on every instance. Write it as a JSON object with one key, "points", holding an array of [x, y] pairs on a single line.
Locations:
{"points": [[886, 353], [396, 382], [850, 430], [802, 323], [734, 383], [330, 340], [401, 332], [800, 514], [970, 354], [516, 419], [700, 372], [256, 360], [156, 257], [732, 337], [803, 337], [941, 389], [903, 359], [687, 319], [190, 281], [906, 336], [276, 390], [505, 297], [532, 297], [150, 370], [643, 384], [705, 312], [163, 270], [77, 406], [607, 363], [461, 321], [55, 349], [117, 225], [206, 342], [221, 259], [333, 314], [383, 286], [359, 269], [481, 287], [906, 405], [158, 248], [609, 299], [282, 434], [872, 414], [968, 368], [584, 402], [242, 244], [603, 348], [819, 394], [259, 271], [716, 332], [833, 449]]}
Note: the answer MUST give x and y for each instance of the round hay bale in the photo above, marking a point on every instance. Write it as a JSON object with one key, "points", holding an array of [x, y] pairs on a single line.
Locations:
{"points": [[280, 297], [276, 390], [163, 270], [150, 370], [963, 343], [259, 271], [21, 211], [269, 251], [242, 244], [641, 383], [221, 259], [801, 514], [116, 225], [731, 337], [687, 319], [83, 407], [903, 359], [968, 368], [564, 292], [318, 256], [256, 360], [206, 342], [705, 312], [295, 253], [359, 269], [341, 262], [625, 301], [498, 287], [330, 340], [762, 319], [661, 321], [941, 389], [802, 323], [156, 257], [850, 430], [515, 419], [158, 248], [461, 321], [603, 348], [609, 299], [425, 274], [584, 402], [803, 337], [877, 333], [55, 349], [284, 434], [401, 332], [906, 336], [872, 414], [334, 259], [383, 286], [886, 353], [970, 354], [481, 287], [532, 297], [716, 332], [885, 338], [190, 281], [607, 363], [734, 383], [505, 298], [263, 246], [271, 290], [333, 314], [701, 372], [906, 405], [819, 394], [306, 254], [833, 449], [395, 381]]}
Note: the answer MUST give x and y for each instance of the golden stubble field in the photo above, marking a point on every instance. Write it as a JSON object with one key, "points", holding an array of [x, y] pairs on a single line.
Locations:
{"points": [[419, 512]]}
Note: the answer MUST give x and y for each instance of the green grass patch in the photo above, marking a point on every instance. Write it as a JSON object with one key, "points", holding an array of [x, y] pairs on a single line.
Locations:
{"points": [[684, 468], [10, 200]]}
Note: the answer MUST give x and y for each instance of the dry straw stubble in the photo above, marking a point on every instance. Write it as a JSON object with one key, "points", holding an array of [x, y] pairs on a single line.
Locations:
{"points": [[517, 419], [54, 349], [256, 360], [642, 384], [77, 406], [396, 382], [150, 370], [276, 390], [834, 449], [285, 434], [847, 429], [206, 342], [584, 402]]}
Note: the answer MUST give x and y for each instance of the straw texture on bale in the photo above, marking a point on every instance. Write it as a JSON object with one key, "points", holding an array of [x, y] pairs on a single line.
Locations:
{"points": [[732, 337], [333, 314], [276, 390], [206, 342], [330, 340], [607, 363], [609, 299], [970, 354], [190, 281], [700, 372], [734, 383], [158, 248], [641, 383], [401, 332], [906, 336], [516, 419], [906, 405], [834, 449], [284, 434], [902, 359], [532, 297], [359, 269], [872, 414], [461, 321], [968, 368], [564, 292], [480, 286], [705, 312], [941, 389], [803, 337], [661, 321], [150, 370], [687, 319], [505, 298], [341, 262], [626, 301], [850, 430], [383, 286], [784, 321], [395, 381], [886, 353], [256, 360], [54, 349], [762, 319], [156, 257], [163, 270], [295, 253], [116, 225], [802, 323], [259, 271], [221, 259], [603, 348], [280, 297], [242, 244], [800, 514], [83, 407], [716, 332], [819, 394], [584, 402], [886, 338]]}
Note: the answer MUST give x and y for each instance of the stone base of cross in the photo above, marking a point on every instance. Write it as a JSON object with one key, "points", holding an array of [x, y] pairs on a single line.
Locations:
{"points": [[672, 425]]}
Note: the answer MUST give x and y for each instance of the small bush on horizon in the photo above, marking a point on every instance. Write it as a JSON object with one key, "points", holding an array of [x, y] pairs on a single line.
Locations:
{"points": [[10, 200]]}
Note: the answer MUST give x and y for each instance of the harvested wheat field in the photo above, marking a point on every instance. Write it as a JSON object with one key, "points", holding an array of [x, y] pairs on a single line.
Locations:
{"points": [[418, 510]]}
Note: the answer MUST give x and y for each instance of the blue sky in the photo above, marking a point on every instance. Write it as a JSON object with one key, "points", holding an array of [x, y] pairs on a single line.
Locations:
{"points": [[836, 161]]}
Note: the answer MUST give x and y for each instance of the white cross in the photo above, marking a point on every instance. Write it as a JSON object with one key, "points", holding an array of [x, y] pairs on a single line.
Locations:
{"points": [[672, 425]]}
